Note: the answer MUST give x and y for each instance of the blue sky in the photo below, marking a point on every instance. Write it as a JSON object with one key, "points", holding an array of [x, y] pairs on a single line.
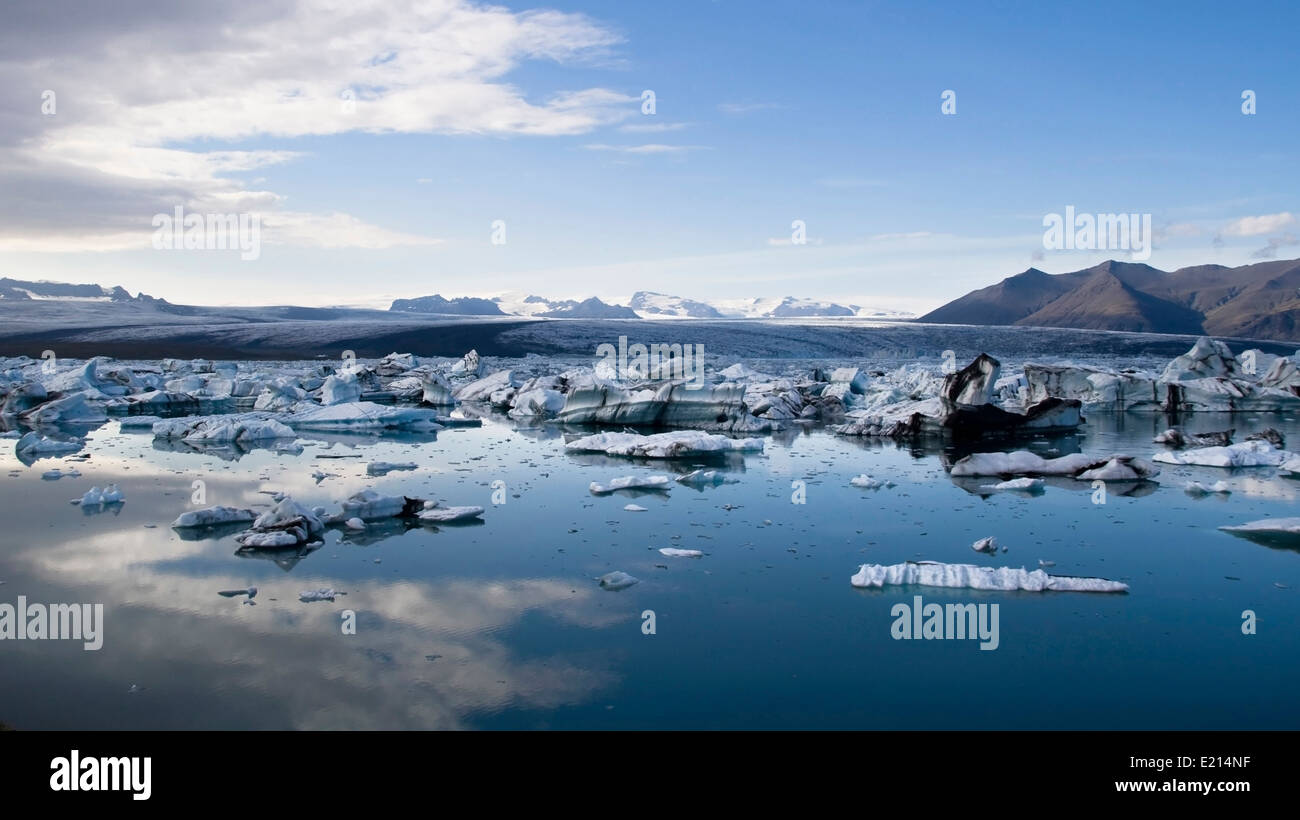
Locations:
{"points": [[826, 112]]}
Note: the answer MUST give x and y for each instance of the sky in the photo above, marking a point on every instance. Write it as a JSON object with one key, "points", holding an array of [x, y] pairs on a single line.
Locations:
{"points": [[398, 149]]}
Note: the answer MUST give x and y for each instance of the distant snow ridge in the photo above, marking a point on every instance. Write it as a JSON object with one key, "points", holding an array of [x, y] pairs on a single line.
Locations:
{"points": [[969, 576]]}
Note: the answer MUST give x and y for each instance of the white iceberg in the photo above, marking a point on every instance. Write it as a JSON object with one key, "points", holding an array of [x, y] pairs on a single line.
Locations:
{"points": [[986, 545], [212, 517], [1077, 465], [442, 515], [642, 482], [1267, 526], [1022, 485], [1197, 488], [866, 482], [617, 580], [673, 552], [634, 508], [288, 523], [312, 595], [969, 576], [674, 444], [385, 467], [369, 505], [362, 415], [1243, 454]]}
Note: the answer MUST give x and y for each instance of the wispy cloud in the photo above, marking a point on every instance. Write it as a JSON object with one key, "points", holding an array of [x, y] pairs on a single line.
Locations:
{"points": [[651, 148], [1259, 225], [652, 127], [746, 108]]}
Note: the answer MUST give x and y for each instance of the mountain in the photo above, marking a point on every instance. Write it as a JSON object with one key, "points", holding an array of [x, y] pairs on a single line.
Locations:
{"points": [[460, 306], [650, 305], [591, 308], [1261, 300], [793, 307]]}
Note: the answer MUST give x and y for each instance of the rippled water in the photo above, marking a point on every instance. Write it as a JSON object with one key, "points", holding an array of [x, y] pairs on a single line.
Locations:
{"points": [[502, 624]]}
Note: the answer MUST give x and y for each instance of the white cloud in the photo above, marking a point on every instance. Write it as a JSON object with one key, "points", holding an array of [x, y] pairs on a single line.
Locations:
{"points": [[1258, 225], [652, 127], [150, 117], [652, 148]]}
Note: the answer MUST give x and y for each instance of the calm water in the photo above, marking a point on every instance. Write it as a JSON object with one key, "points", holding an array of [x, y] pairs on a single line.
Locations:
{"points": [[502, 625]]}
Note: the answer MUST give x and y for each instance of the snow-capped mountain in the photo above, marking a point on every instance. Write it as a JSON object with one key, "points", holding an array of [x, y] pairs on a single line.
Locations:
{"points": [[650, 305], [644, 304]]}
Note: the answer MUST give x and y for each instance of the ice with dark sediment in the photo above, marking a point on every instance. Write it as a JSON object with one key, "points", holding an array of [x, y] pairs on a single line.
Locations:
{"points": [[674, 444]]}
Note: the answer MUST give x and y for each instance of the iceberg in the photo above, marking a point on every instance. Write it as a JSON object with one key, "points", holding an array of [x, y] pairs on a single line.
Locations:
{"points": [[286, 524], [1267, 526], [645, 482], [1244, 454], [866, 482], [1077, 465], [443, 515], [1197, 488], [673, 552], [378, 468], [988, 545], [969, 576], [362, 415], [213, 517], [1023, 485], [704, 478], [674, 444], [617, 580], [369, 505], [313, 595]]}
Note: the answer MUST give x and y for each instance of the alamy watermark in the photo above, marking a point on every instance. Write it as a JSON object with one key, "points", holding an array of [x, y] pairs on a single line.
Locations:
{"points": [[53, 622], [922, 621], [1098, 232], [220, 232], [654, 361]]}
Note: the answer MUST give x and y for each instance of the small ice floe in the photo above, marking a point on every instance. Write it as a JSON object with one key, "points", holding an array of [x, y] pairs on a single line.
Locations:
{"points": [[251, 592], [213, 517], [355, 524], [617, 580], [308, 596], [642, 482], [673, 444], [1197, 488], [139, 422], [362, 415], [986, 545], [96, 497], [369, 505], [704, 478], [287, 524], [673, 552], [56, 474], [969, 576], [866, 482], [1045, 564], [1177, 439], [34, 443], [241, 428], [443, 515], [1076, 465], [634, 508], [386, 467], [1032, 486], [1245, 454], [1289, 527], [1271, 435]]}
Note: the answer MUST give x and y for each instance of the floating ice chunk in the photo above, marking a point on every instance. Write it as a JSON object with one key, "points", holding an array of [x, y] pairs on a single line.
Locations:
{"points": [[1267, 526], [113, 495], [443, 515], [1177, 438], [969, 576], [866, 482], [71, 409], [362, 415], [1022, 485], [643, 482], [340, 388], [308, 596], [1197, 488], [94, 497], [139, 422], [675, 444], [673, 552], [634, 508], [227, 429], [987, 545], [355, 524], [385, 467], [704, 478], [251, 592], [369, 505], [1079, 465], [617, 580], [1243, 454], [288, 523], [213, 517], [483, 388], [435, 390], [56, 474], [34, 443]]}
